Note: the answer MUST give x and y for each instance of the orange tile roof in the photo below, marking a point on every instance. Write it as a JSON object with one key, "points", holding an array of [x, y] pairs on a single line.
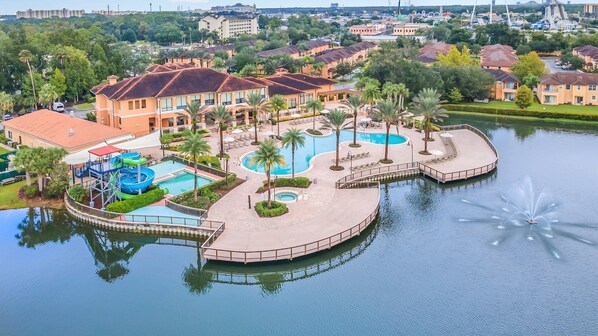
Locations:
{"points": [[53, 128]]}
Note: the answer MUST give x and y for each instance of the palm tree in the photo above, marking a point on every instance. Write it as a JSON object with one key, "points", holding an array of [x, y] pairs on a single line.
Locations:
{"points": [[194, 111], [314, 105], [278, 103], [268, 155], [387, 111], [195, 146], [317, 68], [221, 117], [258, 105], [25, 159], [427, 104], [7, 104], [25, 56], [294, 138], [354, 103], [391, 90], [47, 95], [335, 121], [403, 92], [371, 94]]}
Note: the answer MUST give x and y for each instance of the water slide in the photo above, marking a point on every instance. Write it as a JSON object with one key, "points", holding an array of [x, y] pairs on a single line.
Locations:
{"points": [[133, 181]]}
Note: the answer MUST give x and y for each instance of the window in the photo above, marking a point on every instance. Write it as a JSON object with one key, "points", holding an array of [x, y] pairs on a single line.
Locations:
{"points": [[137, 105], [209, 99], [226, 98], [130, 105], [568, 86], [302, 99], [592, 87], [593, 97], [10, 135], [181, 102], [310, 97], [181, 120], [578, 87], [166, 104], [171, 122], [143, 103], [195, 98], [263, 93], [240, 98], [293, 102]]}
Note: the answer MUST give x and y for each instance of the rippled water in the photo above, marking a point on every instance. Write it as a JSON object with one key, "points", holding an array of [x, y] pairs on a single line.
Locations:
{"points": [[417, 271]]}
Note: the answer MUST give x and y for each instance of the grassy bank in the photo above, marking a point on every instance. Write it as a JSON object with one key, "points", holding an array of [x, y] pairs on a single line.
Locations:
{"points": [[84, 106], [506, 117], [557, 112], [9, 199]]}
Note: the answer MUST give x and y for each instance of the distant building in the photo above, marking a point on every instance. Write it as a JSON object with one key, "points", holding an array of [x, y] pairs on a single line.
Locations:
{"points": [[589, 54], [367, 30], [50, 13], [557, 18], [334, 5], [568, 88], [238, 8], [116, 13], [429, 52], [498, 56], [590, 8], [354, 53], [229, 26], [505, 86], [311, 48], [408, 29]]}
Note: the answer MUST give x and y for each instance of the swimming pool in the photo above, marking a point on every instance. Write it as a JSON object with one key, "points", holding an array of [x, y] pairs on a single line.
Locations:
{"points": [[164, 168], [182, 182], [286, 196], [318, 145]]}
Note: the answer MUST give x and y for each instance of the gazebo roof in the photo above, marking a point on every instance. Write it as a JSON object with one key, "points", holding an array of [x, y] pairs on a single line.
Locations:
{"points": [[106, 150]]}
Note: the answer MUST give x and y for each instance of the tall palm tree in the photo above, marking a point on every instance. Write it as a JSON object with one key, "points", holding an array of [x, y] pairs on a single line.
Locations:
{"points": [[194, 111], [427, 104], [403, 92], [317, 68], [294, 138], [25, 56], [268, 155], [336, 121], [354, 103], [195, 146], [314, 105], [7, 104], [371, 94], [221, 117], [278, 103], [257, 105], [387, 111], [391, 90], [47, 95], [25, 159]]}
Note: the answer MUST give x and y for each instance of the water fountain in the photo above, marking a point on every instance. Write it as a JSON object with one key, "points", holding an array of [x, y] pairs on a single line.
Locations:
{"points": [[535, 216]]}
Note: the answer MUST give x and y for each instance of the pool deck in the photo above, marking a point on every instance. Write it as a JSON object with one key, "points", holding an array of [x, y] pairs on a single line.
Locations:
{"points": [[327, 211]]}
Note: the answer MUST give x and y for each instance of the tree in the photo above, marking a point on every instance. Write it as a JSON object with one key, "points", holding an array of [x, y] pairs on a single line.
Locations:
{"points": [[78, 73], [354, 103], [576, 62], [427, 104], [387, 111], [317, 69], [403, 92], [343, 69], [524, 97], [248, 70], [129, 36], [293, 138], [195, 146], [278, 103], [455, 96], [7, 104], [456, 58], [531, 81], [257, 106], [335, 121], [529, 64], [25, 159], [45, 159], [47, 95], [195, 112], [58, 82], [58, 181], [314, 105], [371, 94], [221, 117], [25, 56], [472, 82], [268, 155], [364, 81]]}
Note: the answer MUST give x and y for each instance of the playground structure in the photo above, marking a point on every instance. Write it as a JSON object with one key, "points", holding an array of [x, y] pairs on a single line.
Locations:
{"points": [[114, 176]]}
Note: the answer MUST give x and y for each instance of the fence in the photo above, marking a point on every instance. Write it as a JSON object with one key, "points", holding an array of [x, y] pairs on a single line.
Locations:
{"points": [[352, 178], [200, 166], [186, 210]]}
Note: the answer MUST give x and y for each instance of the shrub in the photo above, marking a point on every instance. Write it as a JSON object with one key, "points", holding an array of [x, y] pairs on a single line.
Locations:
{"points": [[201, 203], [30, 191], [313, 131], [578, 115], [78, 193], [278, 209], [297, 182], [91, 117], [3, 139], [212, 160], [206, 192], [58, 181], [136, 202]]}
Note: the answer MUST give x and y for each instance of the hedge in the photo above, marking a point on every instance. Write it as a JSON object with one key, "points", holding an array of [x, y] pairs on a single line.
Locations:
{"points": [[136, 202], [297, 182], [207, 192], [523, 113], [313, 132], [78, 193], [278, 209]]}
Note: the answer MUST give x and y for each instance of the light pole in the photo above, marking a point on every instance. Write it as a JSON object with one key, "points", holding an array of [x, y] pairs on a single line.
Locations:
{"points": [[411, 145], [350, 156], [275, 179]]}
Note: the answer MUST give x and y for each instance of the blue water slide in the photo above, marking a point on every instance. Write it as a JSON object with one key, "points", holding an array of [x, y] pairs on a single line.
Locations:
{"points": [[134, 181], [133, 156]]}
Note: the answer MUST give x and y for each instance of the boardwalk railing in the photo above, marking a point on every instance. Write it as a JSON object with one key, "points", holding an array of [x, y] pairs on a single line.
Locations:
{"points": [[201, 213], [200, 166], [348, 180], [291, 252]]}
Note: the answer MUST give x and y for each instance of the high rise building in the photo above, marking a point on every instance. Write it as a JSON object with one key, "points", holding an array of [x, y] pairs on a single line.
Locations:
{"points": [[229, 26], [49, 13]]}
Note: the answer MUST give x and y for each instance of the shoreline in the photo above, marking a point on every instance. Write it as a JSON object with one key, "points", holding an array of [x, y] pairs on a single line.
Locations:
{"points": [[526, 117]]}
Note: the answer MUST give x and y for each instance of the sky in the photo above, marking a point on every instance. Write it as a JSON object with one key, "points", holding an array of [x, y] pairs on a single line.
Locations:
{"points": [[11, 6]]}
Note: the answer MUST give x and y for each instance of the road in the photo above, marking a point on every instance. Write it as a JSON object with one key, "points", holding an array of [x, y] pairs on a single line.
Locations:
{"points": [[77, 113]]}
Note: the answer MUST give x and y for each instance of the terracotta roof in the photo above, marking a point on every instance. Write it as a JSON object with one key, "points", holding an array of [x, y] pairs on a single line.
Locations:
{"points": [[275, 88], [292, 49], [498, 55], [169, 67], [502, 76], [295, 84], [310, 79], [54, 128], [587, 50], [570, 78], [429, 52], [174, 83], [344, 53]]}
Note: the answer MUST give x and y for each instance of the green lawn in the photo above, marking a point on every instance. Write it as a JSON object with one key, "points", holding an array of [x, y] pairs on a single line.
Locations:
{"points": [[536, 107], [9, 196], [3, 150], [84, 106]]}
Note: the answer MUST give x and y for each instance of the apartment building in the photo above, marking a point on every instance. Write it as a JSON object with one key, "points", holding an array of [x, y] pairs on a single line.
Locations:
{"points": [[590, 8], [367, 30], [568, 88], [297, 89], [498, 56], [50, 13], [354, 53], [589, 54], [408, 29], [157, 100], [311, 48], [429, 52], [505, 86], [229, 26]]}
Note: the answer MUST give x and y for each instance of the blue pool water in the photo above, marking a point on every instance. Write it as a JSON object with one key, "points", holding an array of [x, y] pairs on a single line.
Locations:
{"points": [[161, 214], [182, 182], [318, 145], [286, 196], [165, 168]]}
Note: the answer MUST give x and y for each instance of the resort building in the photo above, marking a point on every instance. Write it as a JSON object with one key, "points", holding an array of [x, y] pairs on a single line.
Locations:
{"points": [[156, 100], [45, 128], [408, 29], [229, 26], [297, 89], [367, 30], [568, 88], [354, 53], [183, 64], [429, 52], [589, 54], [498, 56], [309, 48], [505, 86], [50, 13], [237, 8], [592, 9]]}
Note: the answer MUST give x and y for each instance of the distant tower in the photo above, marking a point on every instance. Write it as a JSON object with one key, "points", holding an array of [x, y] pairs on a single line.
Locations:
{"points": [[440, 11], [399, 8], [150, 7]]}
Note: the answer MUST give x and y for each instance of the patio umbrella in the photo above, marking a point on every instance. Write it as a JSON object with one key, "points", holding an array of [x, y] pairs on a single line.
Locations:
{"points": [[324, 111], [229, 139], [446, 135], [366, 119], [251, 129], [237, 131], [268, 133], [295, 115], [435, 152]]}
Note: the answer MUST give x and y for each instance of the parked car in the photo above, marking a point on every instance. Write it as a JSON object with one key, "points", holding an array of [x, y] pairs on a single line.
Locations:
{"points": [[58, 107], [8, 117]]}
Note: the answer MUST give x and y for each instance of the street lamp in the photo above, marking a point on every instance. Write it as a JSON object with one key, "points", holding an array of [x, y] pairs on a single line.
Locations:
{"points": [[350, 156], [410, 144], [275, 179]]}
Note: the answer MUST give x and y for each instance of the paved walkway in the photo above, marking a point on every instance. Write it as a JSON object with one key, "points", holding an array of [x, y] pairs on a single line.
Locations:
{"points": [[324, 210]]}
